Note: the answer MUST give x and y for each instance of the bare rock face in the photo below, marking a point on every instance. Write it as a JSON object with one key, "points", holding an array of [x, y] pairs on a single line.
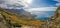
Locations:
{"points": [[55, 20]]}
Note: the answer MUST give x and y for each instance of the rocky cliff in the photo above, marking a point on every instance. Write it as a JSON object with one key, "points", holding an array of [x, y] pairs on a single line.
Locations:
{"points": [[54, 22]]}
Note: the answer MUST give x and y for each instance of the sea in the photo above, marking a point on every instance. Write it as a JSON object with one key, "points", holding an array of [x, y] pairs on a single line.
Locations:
{"points": [[44, 15]]}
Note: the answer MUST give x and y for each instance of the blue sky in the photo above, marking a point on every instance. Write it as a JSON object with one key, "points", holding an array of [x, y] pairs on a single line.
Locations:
{"points": [[29, 3], [43, 3], [33, 3]]}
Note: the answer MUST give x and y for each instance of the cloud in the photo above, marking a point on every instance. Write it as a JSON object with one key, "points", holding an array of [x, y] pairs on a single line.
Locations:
{"points": [[41, 9], [58, 4], [57, 0], [27, 1], [16, 4]]}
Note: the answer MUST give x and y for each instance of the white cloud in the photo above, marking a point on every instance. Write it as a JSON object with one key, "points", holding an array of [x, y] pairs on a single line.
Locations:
{"points": [[57, 0], [12, 3], [27, 1], [58, 4], [41, 9]]}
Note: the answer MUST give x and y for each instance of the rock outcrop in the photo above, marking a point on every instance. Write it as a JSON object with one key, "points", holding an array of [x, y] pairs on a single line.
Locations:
{"points": [[55, 20]]}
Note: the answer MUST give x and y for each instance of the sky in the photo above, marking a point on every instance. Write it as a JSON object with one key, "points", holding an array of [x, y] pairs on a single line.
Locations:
{"points": [[44, 3], [30, 4]]}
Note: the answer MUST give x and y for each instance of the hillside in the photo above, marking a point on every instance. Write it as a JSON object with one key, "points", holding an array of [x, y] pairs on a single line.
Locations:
{"points": [[55, 20], [13, 19], [20, 13]]}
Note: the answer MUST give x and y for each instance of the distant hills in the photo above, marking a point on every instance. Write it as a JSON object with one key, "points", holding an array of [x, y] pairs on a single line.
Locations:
{"points": [[21, 13]]}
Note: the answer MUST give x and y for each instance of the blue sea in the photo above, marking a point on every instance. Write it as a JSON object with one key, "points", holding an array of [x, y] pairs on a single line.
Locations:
{"points": [[44, 15]]}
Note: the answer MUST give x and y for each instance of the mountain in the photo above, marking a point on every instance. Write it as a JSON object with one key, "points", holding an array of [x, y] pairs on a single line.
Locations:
{"points": [[13, 20], [55, 20], [21, 13]]}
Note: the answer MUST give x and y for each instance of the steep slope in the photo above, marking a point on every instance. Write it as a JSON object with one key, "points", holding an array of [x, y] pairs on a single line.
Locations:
{"points": [[21, 13], [23, 21], [55, 20]]}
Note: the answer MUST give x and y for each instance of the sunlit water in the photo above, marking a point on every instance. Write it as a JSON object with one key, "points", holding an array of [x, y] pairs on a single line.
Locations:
{"points": [[44, 15]]}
